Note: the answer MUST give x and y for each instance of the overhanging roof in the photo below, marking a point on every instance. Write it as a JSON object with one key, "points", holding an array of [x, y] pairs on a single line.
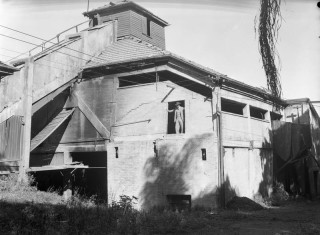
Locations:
{"points": [[6, 69], [129, 54]]}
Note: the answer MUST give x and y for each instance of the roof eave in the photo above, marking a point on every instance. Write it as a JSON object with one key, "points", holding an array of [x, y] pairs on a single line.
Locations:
{"points": [[215, 77]]}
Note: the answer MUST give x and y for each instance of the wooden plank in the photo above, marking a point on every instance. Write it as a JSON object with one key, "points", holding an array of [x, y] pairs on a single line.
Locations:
{"points": [[167, 95], [49, 129], [27, 76], [42, 102], [91, 116], [63, 167], [143, 71]]}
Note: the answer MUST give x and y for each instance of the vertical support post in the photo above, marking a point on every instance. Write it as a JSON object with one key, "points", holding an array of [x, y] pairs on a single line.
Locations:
{"points": [[157, 78], [217, 122], [251, 170], [27, 76], [67, 184]]}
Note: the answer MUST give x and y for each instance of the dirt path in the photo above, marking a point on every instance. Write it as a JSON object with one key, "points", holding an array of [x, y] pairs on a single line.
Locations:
{"points": [[295, 217]]}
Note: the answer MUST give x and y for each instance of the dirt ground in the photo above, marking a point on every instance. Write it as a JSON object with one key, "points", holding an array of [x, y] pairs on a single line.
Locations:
{"points": [[293, 217]]}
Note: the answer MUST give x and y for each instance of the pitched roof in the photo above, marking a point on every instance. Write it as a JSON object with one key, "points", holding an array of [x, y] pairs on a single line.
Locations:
{"points": [[125, 49], [131, 49]]}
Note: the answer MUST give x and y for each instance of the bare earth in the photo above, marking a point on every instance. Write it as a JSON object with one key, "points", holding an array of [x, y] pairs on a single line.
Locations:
{"points": [[294, 217]]}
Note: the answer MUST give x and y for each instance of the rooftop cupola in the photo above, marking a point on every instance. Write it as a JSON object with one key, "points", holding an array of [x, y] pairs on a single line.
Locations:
{"points": [[132, 20]]}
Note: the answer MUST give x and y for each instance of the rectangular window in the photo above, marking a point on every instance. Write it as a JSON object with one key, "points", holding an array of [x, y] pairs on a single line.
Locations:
{"points": [[148, 27], [176, 117], [231, 106], [275, 116], [258, 113], [179, 202]]}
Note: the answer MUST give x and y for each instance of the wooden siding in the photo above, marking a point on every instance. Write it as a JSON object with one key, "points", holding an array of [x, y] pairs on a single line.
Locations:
{"points": [[123, 22], [157, 36], [11, 132]]}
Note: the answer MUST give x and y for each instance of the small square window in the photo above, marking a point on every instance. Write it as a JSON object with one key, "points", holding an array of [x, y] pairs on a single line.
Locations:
{"points": [[231, 106], [258, 113]]}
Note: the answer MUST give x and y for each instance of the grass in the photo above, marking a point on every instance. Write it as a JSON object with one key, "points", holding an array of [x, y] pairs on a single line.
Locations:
{"points": [[25, 210]]}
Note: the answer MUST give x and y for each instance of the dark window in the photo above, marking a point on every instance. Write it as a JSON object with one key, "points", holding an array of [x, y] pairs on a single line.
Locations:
{"points": [[257, 113], [231, 106], [275, 116], [117, 153], [136, 80], [179, 202], [176, 126], [204, 154], [148, 27]]}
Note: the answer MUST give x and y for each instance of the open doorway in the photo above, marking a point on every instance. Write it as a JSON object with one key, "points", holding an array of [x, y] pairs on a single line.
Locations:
{"points": [[93, 180], [176, 117]]}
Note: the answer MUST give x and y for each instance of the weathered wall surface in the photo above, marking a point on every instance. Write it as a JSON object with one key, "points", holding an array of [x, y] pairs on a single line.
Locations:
{"points": [[247, 145], [136, 104], [59, 67], [151, 163], [174, 166], [54, 69]]}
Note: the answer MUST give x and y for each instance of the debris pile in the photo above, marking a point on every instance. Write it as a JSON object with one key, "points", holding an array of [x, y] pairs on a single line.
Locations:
{"points": [[243, 204]]}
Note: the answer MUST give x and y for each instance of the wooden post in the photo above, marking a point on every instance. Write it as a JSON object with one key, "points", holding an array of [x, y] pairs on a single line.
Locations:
{"points": [[27, 76], [67, 184], [216, 106]]}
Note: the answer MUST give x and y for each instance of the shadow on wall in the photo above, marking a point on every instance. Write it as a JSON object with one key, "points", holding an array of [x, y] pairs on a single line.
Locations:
{"points": [[266, 164], [178, 169]]}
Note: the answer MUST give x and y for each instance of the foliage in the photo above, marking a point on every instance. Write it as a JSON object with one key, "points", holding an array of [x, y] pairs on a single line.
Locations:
{"points": [[268, 26]]}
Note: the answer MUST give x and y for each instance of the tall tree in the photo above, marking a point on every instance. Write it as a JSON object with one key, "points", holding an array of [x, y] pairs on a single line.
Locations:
{"points": [[267, 25]]}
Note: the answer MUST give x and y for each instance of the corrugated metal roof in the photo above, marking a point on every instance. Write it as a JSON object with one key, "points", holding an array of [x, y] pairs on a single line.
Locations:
{"points": [[50, 128]]}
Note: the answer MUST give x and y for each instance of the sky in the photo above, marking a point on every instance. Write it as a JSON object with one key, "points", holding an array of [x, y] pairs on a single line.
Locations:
{"points": [[215, 33]]}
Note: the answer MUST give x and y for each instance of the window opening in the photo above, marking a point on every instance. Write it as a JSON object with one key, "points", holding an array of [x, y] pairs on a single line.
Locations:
{"points": [[275, 116], [135, 80], [117, 153], [148, 27], [204, 154], [232, 106], [179, 202], [258, 113], [176, 117]]}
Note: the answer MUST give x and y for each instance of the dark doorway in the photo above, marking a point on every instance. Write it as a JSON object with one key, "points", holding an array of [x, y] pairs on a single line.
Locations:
{"points": [[91, 181], [171, 113]]}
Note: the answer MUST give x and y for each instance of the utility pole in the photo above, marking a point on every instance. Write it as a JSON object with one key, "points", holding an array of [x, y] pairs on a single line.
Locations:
{"points": [[26, 75]]}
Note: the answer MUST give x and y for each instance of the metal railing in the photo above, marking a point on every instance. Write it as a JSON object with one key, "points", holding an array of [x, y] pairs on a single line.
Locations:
{"points": [[57, 37]]}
